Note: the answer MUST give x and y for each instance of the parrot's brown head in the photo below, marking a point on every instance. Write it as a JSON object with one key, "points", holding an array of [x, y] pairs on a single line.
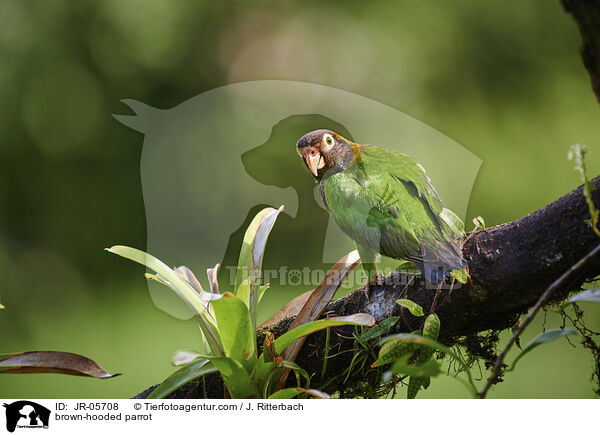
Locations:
{"points": [[323, 150]]}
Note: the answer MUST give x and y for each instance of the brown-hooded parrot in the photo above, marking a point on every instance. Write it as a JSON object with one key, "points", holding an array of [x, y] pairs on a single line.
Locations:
{"points": [[384, 201]]}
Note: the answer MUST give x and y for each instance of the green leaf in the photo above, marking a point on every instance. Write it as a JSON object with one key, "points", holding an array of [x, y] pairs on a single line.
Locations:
{"points": [[289, 337], [261, 291], [252, 250], [52, 362], [415, 310], [431, 327], [299, 371], [589, 295], [479, 223], [541, 339], [392, 350], [378, 330], [420, 340], [430, 368], [414, 385], [460, 275], [247, 285], [290, 393], [237, 335], [194, 370], [235, 376], [167, 275], [176, 282], [429, 342]]}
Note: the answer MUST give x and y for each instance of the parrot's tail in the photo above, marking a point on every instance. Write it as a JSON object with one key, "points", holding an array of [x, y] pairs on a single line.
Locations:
{"points": [[437, 265], [435, 275]]}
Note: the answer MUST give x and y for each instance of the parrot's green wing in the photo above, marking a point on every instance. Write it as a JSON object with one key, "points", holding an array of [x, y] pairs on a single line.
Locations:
{"points": [[385, 201]]}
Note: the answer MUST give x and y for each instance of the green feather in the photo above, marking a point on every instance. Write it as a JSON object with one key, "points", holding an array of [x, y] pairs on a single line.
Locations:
{"points": [[384, 201]]}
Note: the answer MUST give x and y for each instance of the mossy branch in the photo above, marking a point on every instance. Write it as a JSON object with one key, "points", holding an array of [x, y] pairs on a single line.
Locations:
{"points": [[510, 266]]}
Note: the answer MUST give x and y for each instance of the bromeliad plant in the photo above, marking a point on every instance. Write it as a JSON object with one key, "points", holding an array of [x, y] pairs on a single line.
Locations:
{"points": [[228, 324]]}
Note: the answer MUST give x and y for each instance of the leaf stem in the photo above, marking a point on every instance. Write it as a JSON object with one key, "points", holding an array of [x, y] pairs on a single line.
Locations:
{"points": [[326, 355]]}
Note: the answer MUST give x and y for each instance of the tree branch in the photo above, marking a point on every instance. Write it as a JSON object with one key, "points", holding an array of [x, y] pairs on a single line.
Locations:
{"points": [[510, 267], [543, 300], [586, 14]]}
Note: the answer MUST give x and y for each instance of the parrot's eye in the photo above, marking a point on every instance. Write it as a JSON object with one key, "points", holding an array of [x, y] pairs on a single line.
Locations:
{"points": [[328, 140]]}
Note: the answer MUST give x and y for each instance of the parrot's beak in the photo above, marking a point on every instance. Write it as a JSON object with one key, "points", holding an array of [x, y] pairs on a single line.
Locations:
{"points": [[315, 161]]}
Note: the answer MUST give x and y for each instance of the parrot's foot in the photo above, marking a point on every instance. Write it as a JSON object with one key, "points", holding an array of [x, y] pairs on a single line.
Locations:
{"points": [[377, 280]]}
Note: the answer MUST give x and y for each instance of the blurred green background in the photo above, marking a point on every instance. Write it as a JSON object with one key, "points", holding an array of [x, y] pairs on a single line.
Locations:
{"points": [[504, 81]]}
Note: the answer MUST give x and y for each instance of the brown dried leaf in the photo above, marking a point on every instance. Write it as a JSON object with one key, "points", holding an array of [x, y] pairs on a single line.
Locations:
{"points": [[52, 362], [291, 309], [316, 303]]}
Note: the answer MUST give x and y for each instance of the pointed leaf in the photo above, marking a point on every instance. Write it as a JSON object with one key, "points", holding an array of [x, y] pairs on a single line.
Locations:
{"points": [[378, 330], [419, 339], [252, 252], [431, 326], [431, 329], [52, 362], [392, 350], [289, 337], [236, 332], [460, 275], [431, 368], [261, 291], [415, 309], [290, 365], [181, 377], [589, 295], [479, 223], [212, 278], [414, 385], [541, 339]]}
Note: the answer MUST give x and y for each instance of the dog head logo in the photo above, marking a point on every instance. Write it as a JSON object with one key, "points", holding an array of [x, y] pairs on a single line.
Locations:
{"points": [[26, 414]]}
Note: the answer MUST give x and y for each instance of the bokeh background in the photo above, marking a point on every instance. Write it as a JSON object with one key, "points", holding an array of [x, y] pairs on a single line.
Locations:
{"points": [[504, 81]]}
